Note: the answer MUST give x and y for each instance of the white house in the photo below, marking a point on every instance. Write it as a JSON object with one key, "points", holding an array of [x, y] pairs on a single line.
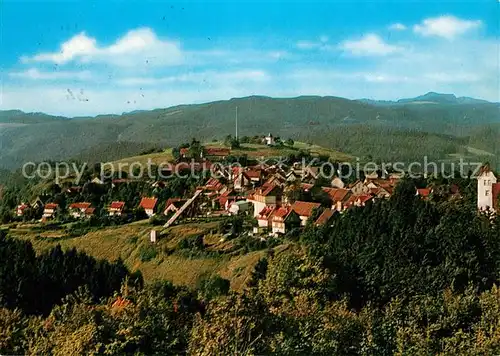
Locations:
{"points": [[487, 190], [265, 196], [116, 208], [81, 210], [269, 140], [49, 211], [239, 207]]}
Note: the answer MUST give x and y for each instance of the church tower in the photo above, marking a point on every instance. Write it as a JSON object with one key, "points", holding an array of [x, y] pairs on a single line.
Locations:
{"points": [[486, 189]]}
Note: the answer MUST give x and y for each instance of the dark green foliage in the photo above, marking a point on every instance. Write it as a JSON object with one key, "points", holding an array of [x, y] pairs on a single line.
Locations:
{"points": [[353, 126], [36, 283], [246, 244], [259, 272], [232, 225], [213, 287], [406, 247], [147, 253], [194, 242]]}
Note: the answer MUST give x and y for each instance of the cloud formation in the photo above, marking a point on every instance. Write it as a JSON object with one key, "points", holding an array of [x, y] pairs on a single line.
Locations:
{"points": [[369, 45], [36, 74], [136, 46], [202, 78], [445, 26], [142, 70], [397, 27], [321, 43]]}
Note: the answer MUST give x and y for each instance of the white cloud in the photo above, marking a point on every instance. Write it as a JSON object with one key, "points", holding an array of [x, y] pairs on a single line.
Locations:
{"points": [[223, 72], [369, 45], [140, 45], [445, 26], [209, 78], [397, 27], [35, 74], [307, 45], [321, 43]]}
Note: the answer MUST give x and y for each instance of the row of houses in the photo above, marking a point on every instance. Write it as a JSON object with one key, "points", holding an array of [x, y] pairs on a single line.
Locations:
{"points": [[264, 192], [78, 210]]}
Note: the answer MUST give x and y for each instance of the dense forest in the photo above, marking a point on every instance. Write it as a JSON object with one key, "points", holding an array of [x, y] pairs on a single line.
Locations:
{"points": [[355, 127], [402, 276]]}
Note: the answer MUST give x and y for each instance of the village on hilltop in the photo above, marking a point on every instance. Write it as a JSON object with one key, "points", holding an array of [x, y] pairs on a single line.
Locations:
{"points": [[279, 197]]}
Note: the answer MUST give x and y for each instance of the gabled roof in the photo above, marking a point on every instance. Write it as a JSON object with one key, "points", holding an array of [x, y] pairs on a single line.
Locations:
{"points": [[303, 208], [281, 212], [266, 213], [148, 203], [267, 190], [89, 211], [484, 170], [360, 198], [364, 198], [224, 197], [275, 179], [423, 192], [22, 207], [117, 205], [213, 184], [81, 206], [325, 216], [217, 151], [51, 206], [337, 194], [254, 173]]}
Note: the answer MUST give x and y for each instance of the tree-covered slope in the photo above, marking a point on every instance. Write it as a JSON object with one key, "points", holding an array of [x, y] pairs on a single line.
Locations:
{"points": [[34, 137]]}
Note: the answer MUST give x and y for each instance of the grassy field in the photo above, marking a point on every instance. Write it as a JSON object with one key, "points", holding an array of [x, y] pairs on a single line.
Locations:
{"points": [[129, 242], [255, 151], [156, 158]]}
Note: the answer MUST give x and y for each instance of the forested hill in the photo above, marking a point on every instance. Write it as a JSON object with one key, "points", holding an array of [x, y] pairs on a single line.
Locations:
{"points": [[34, 137]]}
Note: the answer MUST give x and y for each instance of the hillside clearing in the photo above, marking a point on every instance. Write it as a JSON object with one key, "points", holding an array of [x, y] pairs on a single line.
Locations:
{"points": [[128, 241]]}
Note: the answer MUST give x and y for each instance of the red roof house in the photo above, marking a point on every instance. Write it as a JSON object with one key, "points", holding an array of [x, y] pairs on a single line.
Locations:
{"points": [[325, 217], [49, 211], [148, 204], [116, 208], [304, 210], [424, 192], [21, 208], [80, 210]]}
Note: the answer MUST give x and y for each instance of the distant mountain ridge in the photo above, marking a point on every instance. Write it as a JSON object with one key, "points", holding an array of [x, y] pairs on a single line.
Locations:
{"points": [[8, 116], [430, 98], [35, 136]]}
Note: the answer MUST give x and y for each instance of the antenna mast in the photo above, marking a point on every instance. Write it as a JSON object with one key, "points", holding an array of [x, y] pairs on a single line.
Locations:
{"points": [[236, 123]]}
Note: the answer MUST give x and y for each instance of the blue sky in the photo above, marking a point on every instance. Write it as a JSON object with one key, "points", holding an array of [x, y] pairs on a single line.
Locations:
{"points": [[90, 57]]}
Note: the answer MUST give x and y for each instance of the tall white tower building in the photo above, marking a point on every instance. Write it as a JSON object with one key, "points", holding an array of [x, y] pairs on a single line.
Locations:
{"points": [[487, 189]]}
